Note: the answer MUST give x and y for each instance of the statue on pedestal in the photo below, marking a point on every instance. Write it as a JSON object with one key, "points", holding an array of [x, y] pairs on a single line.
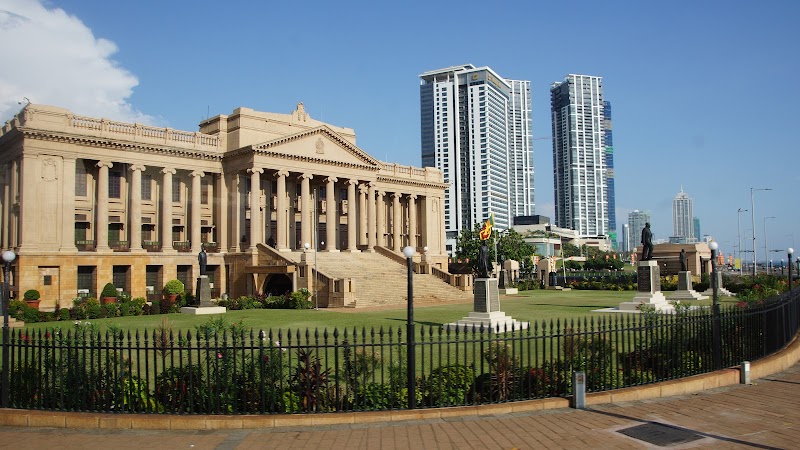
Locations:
{"points": [[684, 261], [647, 243], [483, 269], [202, 259]]}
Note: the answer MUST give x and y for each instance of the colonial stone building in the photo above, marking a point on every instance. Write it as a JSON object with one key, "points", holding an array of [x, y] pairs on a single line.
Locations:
{"points": [[87, 201]]}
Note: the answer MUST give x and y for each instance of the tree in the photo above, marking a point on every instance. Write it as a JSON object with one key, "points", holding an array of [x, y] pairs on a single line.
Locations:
{"points": [[568, 250]]}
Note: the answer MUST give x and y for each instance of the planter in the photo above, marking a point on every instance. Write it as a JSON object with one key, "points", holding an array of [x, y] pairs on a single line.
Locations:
{"points": [[108, 300], [33, 303]]}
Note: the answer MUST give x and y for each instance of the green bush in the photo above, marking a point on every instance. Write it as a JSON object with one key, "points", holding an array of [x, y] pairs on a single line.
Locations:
{"points": [[448, 385], [111, 310], [31, 294], [300, 299], [63, 314], [174, 287], [109, 291]]}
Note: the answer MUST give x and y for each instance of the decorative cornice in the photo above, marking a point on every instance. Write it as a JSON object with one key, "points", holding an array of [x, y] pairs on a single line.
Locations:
{"points": [[411, 182], [327, 131], [93, 141]]}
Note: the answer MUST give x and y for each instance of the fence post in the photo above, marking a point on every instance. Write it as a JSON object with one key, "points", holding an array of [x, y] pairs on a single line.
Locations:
{"points": [[744, 377]]}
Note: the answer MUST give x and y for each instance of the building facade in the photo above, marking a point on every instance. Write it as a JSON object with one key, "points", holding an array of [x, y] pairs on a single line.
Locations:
{"points": [[476, 128], [682, 219], [86, 201], [579, 155]]}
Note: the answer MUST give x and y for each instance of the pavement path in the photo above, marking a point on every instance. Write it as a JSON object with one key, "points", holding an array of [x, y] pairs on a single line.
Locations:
{"points": [[764, 415]]}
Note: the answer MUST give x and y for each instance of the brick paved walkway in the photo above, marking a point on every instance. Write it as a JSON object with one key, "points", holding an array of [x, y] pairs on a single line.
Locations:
{"points": [[765, 415]]}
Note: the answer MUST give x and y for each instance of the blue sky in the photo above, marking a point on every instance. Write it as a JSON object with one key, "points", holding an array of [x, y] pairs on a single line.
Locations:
{"points": [[702, 92]]}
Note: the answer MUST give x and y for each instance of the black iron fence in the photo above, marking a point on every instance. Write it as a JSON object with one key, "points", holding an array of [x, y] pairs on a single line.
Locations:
{"points": [[227, 370]]}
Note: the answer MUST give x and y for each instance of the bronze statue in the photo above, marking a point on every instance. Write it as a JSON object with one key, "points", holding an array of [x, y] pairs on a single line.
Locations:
{"points": [[647, 243], [202, 258], [684, 261], [483, 269]]}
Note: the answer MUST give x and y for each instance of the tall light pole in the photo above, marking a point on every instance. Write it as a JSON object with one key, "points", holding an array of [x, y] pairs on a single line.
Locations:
{"points": [[8, 258], [766, 249], [753, 219], [789, 252], [411, 376], [716, 335], [739, 234]]}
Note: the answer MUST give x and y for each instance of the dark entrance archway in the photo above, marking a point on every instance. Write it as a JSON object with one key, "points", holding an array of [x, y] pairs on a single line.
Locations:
{"points": [[277, 284]]}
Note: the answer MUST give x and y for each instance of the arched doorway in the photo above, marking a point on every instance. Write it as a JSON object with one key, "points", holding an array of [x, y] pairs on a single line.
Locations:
{"points": [[277, 284]]}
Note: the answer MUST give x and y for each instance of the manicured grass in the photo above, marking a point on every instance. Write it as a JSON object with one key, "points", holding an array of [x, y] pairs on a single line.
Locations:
{"points": [[537, 305]]}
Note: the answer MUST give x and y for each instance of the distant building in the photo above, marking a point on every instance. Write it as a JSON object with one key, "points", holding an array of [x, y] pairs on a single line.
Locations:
{"points": [[697, 229], [609, 149], [476, 128], [579, 166], [636, 221], [625, 246], [532, 220], [682, 215]]}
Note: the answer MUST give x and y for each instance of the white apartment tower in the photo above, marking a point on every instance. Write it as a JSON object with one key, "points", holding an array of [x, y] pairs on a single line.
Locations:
{"points": [[683, 218], [476, 128], [636, 221], [579, 167]]}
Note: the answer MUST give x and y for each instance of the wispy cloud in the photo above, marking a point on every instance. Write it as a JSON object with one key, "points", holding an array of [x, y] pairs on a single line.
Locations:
{"points": [[53, 58]]}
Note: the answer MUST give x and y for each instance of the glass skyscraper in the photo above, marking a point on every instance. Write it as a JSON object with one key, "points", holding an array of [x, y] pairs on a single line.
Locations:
{"points": [[579, 155], [683, 218], [476, 128], [609, 143]]}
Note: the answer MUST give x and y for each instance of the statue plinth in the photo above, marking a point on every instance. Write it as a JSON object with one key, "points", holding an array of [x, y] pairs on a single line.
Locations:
{"points": [[203, 295], [648, 278], [685, 291], [486, 311], [720, 289]]}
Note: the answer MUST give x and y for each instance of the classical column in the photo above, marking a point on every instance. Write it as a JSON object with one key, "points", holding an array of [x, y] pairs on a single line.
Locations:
{"points": [[135, 230], [166, 210], [352, 220], [412, 220], [363, 229], [101, 224], [234, 212], [397, 220], [13, 218], [222, 217], [330, 215], [281, 216], [5, 225], [381, 212], [197, 185], [67, 206], [371, 206], [256, 229], [305, 210]]}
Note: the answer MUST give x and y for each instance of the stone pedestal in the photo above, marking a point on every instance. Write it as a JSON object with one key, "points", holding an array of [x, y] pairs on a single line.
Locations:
{"points": [[720, 289], [486, 311], [685, 291], [203, 295], [649, 289]]}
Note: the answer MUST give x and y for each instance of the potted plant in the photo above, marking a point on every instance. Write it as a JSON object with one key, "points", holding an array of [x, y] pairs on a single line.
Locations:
{"points": [[172, 289], [109, 294], [31, 297]]}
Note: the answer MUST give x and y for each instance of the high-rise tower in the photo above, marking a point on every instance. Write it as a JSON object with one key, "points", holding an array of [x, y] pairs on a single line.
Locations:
{"points": [[579, 166], [636, 221], [682, 218], [609, 149], [476, 128]]}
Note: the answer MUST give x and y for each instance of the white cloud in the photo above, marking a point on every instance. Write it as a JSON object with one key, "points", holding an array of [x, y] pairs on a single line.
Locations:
{"points": [[52, 58]]}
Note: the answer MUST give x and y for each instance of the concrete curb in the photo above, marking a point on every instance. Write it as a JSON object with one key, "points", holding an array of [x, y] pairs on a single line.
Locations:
{"points": [[775, 363]]}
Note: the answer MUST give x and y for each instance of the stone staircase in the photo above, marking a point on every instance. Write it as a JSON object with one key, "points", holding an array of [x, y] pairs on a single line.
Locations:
{"points": [[379, 280]]}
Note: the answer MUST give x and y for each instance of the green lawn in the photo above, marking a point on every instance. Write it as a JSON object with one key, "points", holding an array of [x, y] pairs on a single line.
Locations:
{"points": [[537, 305]]}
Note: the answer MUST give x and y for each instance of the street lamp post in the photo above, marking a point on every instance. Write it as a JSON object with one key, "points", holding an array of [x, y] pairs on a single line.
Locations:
{"points": [[411, 364], [767, 261], [739, 234], [789, 253], [8, 258], [716, 335], [753, 219]]}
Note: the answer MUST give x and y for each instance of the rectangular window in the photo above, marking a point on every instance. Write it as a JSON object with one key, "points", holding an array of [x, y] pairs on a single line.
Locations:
{"points": [[176, 233], [147, 187], [120, 277], [80, 179], [176, 189], [114, 184], [204, 193], [147, 233], [80, 231], [86, 279], [113, 232]]}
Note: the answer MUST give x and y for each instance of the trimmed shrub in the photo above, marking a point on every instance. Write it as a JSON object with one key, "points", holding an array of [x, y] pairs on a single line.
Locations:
{"points": [[109, 291], [174, 287], [31, 294]]}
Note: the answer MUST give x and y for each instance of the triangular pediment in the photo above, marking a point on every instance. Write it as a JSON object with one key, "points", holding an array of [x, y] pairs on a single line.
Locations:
{"points": [[320, 144]]}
